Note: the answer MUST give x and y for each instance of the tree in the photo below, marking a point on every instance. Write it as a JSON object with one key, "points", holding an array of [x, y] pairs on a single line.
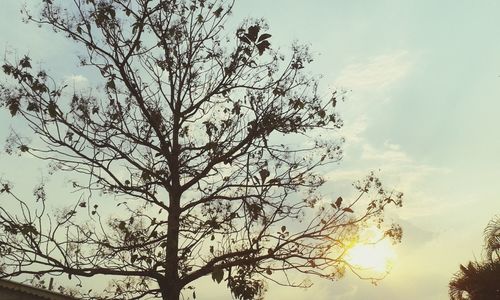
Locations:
{"points": [[480, 280], [199, 156], [492, 239]]}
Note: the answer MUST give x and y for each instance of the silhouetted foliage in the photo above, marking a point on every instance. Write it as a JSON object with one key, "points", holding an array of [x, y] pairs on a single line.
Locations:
{"points": [[480, 280], [197, 156], [492, 239]]}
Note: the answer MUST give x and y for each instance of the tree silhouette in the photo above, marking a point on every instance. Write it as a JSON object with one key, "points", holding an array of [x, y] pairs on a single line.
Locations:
{"points": [[198, 156], [480, 281], [492, 239]]}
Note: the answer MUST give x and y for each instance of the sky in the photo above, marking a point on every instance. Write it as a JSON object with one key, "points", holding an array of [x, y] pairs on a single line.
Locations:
{"points": [[422, 110]]}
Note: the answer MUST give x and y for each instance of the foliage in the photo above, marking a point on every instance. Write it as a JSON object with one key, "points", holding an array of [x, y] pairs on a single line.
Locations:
{"points": [[480, 280], [197, 156], [492, 239]]}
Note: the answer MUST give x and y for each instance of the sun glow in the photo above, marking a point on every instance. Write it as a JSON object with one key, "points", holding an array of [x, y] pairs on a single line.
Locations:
{"points": [[372, 253]]}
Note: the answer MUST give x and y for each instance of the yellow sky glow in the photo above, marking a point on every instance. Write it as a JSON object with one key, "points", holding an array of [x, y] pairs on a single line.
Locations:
{"points": [[372, 253]]}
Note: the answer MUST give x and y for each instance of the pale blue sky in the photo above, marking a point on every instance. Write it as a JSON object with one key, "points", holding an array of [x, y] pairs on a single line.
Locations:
{"points": [[424, 108]]}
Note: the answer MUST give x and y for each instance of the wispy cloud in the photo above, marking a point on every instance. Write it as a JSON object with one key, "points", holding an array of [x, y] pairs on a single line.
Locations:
{"points": [[370, 82], [389, 153], [77, 82], [77, 79], [375, 73], [353, 130], [397, 169]]}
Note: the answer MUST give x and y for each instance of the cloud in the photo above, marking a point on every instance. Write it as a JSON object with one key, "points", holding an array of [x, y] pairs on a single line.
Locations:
{"points": [[398, 170], [353, 131], [375, 74], [77, 80], [370, 83], [390, 153]]}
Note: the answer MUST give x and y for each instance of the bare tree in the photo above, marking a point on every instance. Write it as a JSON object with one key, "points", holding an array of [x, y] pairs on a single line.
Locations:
{"points": [[207, 141]]}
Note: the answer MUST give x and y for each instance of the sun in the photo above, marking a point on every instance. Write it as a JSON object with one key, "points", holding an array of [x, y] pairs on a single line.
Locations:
{"points": [[372, 252]]}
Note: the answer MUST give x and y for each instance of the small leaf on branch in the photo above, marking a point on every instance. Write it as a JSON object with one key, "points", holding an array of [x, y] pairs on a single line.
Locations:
{"points": [[264, 173], [32, 107], [218, 12], [7, 69], [217, 274], [5, 188], [13, 104], [334, 99], [111, 85], [122, 226], [52, 109], [321, 113], [348, 209], [262, 46], [264, 36], [253, 32], [25, 62], [338, 203]]}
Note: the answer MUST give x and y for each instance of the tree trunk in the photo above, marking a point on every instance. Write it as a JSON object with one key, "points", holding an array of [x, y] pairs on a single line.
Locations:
{"points": [[170, 290], [172, 284]]}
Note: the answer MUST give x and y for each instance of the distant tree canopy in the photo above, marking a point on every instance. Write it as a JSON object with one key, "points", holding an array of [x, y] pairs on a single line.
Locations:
{"points": [[480, 280], [198, 155]]}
